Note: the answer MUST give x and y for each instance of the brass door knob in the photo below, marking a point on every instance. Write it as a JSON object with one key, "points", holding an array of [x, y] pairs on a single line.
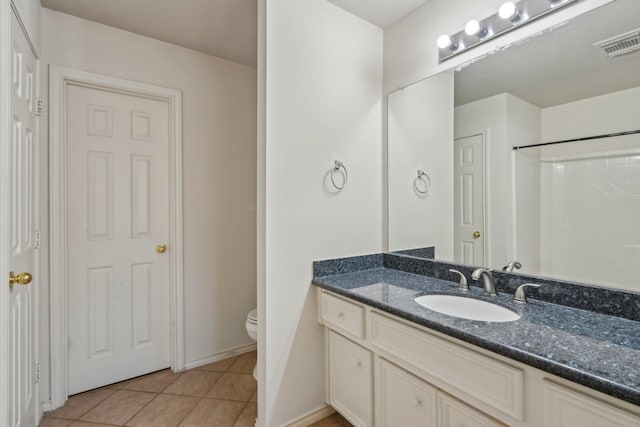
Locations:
{"points": [[20, 279], [161, 248], [476, 234]]}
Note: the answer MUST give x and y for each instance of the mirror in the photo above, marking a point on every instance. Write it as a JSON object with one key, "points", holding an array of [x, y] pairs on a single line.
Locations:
{"points": [[569, 210]]}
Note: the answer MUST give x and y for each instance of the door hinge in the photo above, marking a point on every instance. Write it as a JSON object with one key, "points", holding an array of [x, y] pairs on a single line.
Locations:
{"points": [[37, 373], [36, 239], [39, 107]]}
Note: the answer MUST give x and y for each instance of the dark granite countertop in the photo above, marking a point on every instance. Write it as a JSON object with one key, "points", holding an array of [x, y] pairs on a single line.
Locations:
{"points": [[596, 350]]}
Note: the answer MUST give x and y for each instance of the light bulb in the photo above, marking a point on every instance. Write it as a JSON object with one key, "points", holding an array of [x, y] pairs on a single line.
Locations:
{"points": [[508, 10], [444, 41], [472, 28]]}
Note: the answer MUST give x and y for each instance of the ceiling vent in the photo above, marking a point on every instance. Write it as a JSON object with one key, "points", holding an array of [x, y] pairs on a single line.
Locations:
{"points": [[620, 45]]}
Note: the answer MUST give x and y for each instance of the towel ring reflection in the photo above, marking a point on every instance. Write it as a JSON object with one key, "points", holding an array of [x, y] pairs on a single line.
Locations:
{"points": [[422, 177], [337, 165]]}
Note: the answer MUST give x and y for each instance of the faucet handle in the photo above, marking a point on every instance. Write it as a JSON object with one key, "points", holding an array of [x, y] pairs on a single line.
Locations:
{"points": [[463, 286], [521, 293], [512, 264]]}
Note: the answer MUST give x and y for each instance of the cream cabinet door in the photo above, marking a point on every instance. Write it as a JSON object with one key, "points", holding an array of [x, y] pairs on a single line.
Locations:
{"points": [[453, 413], [567, 408], [403, 399], [350, 380]]}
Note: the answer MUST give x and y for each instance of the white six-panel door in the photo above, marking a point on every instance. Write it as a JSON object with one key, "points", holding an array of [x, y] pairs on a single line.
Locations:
{"points": [[118, 218], [23, 228], [469, 200]]}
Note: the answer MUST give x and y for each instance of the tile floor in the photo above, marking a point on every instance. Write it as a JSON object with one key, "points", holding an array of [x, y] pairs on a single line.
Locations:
{"points": [[335, 420], [221, 394]]}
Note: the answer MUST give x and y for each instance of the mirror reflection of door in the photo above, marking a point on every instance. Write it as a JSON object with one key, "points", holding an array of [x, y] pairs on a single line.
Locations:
{"points": [[468, 199]]}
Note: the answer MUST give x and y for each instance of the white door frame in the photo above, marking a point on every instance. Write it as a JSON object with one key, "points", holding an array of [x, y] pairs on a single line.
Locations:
{"points": [[59, 77], [5, 135]]}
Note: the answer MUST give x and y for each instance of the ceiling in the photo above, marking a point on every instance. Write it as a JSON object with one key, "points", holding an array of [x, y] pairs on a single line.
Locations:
{"points": [[382, 13], [223, 28], [559, 66]]}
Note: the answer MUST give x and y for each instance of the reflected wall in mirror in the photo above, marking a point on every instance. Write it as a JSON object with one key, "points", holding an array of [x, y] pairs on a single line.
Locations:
{"points": [[568, 211]]}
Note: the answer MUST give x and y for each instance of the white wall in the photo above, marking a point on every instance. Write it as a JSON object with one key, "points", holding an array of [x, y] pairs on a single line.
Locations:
{"points": [[523, 128], [30, 12], [505, 121], [420, 133], [219, 150], [323, 84], [592, 185], [410, 51], [614, 112]]}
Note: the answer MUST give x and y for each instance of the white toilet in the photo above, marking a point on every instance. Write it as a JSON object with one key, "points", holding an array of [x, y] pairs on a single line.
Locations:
{"points": [[252, 330]]}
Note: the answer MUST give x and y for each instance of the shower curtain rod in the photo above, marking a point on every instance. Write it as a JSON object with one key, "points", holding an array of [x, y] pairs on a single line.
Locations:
{"points": [[586, 138]]}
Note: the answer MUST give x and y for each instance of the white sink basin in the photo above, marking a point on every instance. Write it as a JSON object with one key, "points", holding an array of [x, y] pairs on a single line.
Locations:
{"points": [[467, 308]]}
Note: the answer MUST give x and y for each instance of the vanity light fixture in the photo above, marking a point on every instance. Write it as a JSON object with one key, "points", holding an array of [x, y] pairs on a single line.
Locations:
{"points": [[511, 15], [444, 42], [473, 28], [509, 11]]}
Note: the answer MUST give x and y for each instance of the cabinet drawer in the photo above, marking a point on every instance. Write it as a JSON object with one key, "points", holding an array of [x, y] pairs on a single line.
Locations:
{"points": [[350, 380], [567, 408], [479, 377], [453, 413], [403, 399], [342, 315]]}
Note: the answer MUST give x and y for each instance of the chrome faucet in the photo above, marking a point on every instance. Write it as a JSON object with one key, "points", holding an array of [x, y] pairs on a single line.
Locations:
{"points": [[521, 293], [463, 286], [513, 264], [487, 278]]}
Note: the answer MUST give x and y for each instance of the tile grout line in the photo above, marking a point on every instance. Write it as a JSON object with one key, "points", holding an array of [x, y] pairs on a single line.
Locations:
{"points": [[93, 407], [140, 410], [202, 397], [116, 390], [189, 413], [154, 398], [241, 412]]}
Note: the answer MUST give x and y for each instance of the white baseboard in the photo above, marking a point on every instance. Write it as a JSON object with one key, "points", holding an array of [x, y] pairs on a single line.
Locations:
{"points": [[46, 406], [219, 356], [312, 417]]}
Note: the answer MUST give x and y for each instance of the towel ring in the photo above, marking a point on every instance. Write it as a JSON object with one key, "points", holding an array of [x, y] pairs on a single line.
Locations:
{"points": [[422, 176], [337, 165]]}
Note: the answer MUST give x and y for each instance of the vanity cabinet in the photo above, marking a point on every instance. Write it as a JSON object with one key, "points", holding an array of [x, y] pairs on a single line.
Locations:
{"points": [[343, 316], [385, 371], [402, 399], [566, 408], [484, 380], [350, 380], [453, 413]]}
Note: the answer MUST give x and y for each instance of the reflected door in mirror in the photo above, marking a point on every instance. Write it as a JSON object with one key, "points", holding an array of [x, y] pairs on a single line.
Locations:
{"points": [[469, 200]]}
